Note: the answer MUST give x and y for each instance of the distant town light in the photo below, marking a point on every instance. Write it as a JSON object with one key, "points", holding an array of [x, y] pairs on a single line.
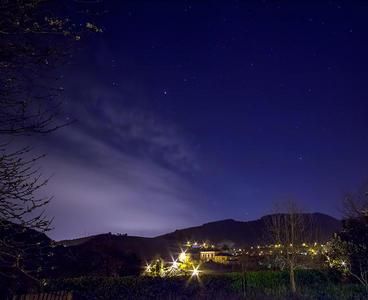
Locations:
{"points": [[313, 251]]}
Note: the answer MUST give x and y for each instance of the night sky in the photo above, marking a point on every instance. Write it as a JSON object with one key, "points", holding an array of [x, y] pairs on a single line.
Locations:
{"points": [[195, 111]]}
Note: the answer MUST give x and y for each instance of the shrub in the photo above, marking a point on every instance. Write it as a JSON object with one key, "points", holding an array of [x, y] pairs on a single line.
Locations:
{"points": [[312, 284]]}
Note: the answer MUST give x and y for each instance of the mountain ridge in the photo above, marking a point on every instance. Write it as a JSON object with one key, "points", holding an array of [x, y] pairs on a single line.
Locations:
{"points": [[246, 233]]}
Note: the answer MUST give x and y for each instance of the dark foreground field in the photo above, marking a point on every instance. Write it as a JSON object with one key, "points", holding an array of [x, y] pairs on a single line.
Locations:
{"points": [[251, 285]]}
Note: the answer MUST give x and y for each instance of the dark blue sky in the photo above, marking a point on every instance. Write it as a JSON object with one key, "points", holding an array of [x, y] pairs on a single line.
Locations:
{"points": [[191, 111]]}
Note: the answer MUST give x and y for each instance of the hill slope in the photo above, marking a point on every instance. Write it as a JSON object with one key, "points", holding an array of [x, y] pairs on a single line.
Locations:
{"points": [[111, 255], [251, 232]]}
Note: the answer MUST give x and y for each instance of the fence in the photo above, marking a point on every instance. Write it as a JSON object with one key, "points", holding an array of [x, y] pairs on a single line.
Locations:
{"points": [[45, 296]]}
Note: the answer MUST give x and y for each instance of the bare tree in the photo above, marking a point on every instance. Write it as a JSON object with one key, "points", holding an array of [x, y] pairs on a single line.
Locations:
{"points": [[287, 228], [355, 205], [34, 41], [19, 181]]}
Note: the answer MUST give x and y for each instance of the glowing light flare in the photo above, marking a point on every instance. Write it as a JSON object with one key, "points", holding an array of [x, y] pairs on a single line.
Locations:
{"points": [[174, 264], [182, 256], [195, 271], [148, 268]]}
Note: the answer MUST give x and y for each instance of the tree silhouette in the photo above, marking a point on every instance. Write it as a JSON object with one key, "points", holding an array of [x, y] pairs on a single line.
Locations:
{"points": [[348, 250], [288, 227], [34, 41]]}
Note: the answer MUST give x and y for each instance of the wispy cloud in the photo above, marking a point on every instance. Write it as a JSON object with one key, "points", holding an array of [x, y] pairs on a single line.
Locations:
{"points": [[118, 169], [103, 113]]}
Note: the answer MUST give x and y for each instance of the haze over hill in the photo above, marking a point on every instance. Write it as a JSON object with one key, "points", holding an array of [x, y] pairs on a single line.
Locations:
{"points": [[231, 232]]}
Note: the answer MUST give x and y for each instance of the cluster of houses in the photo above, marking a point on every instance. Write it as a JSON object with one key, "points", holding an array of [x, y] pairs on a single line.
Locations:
{"points": [[209, 253], [221, 258], [206, 252]]}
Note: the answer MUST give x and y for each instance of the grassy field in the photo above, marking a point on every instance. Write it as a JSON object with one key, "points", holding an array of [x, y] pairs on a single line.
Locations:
{"points": [[251, 285]]}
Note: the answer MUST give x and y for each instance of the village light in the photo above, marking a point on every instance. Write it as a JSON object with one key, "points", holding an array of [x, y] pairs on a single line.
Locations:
{"points": [[196, 271], [148, 268], [175, 264], [182, 256], [313, 252]]}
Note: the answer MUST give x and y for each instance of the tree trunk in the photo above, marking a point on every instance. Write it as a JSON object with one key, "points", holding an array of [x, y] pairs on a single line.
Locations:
{"points": [[292, 277]]}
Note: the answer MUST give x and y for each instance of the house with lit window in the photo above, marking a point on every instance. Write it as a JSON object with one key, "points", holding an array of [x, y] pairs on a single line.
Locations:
{"points": [[223, 258], [216, 256], [207, 255]]}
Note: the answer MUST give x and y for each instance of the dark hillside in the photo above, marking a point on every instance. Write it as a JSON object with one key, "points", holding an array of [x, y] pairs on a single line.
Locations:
{"points": [[250, 232]]}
